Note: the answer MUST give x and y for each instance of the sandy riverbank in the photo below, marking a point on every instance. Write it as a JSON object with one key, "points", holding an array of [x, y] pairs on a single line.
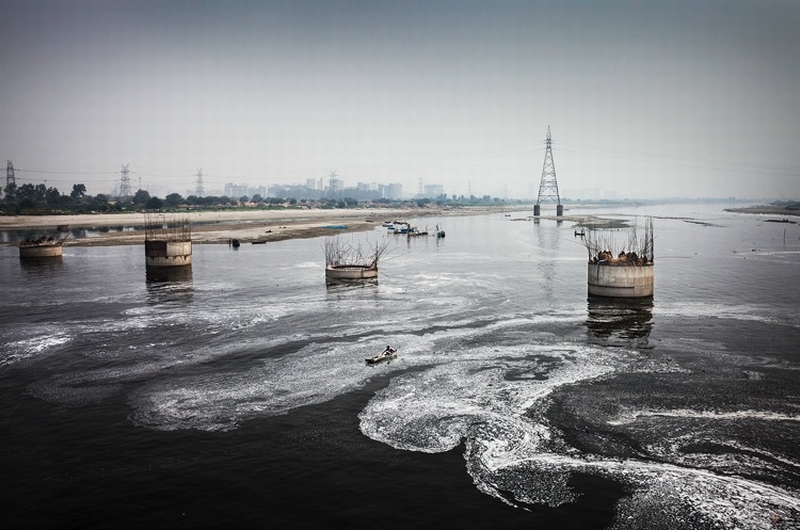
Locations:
{"points": [[765, 210], [222, 226]]}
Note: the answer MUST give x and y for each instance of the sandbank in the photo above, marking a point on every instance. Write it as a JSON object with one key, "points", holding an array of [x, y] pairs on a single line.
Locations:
{"points": [[221, 226], [764, 210]]}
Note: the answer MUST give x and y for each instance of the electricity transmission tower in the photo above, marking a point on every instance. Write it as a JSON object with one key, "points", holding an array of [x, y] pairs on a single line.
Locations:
{"points": [[10, 174], [548, 186], [334, 184], [199, 187], [125, 182]]}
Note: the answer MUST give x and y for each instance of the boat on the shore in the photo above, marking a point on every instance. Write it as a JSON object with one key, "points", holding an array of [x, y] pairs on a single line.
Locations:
{"points": [[400, 228]]}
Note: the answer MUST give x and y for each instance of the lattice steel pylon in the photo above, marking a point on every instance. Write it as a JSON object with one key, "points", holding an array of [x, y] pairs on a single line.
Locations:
{"points": [[10, 174], [199, 187], [548, 186], [125, 182]]}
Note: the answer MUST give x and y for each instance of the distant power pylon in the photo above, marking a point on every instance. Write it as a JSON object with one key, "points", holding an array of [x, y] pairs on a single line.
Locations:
{"points": [[10, 174], [548, 186], [198, 191], [334, 183], [125, 182]]}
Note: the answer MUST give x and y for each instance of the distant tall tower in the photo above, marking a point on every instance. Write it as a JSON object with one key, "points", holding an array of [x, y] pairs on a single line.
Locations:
{"points": [[125, 182], [334, 183], [198, 191], [548, 187], [10, 174]]}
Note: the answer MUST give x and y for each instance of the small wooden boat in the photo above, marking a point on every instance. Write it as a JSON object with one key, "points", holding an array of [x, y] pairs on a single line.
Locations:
{"points": [[382, 357]]}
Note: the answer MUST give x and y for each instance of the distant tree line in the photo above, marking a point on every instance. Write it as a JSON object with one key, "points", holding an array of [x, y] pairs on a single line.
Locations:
{"points": [[39, 199]]}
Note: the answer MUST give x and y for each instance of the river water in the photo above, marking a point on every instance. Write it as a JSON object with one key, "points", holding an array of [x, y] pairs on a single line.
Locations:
{"points": [[237, 393]]}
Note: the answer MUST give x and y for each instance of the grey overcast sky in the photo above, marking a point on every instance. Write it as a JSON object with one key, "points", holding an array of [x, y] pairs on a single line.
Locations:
{"points": [[644, 98]]}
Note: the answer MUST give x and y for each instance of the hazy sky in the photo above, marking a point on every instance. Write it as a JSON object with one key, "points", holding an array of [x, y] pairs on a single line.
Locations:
{"points": [[646, 98]]}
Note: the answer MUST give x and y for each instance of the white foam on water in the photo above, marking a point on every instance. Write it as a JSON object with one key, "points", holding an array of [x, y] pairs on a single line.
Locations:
{"points": [[494, 386], [141, 361], [221, 401], [136, 363], [494, 399], [71, 391], [44, 343], [314, 374], [631, 416], [730, 457], [664, 495], [745, 313]]}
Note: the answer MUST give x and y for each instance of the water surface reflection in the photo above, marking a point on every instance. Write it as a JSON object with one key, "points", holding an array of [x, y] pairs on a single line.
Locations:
{"points": [[169, 284], [619, 320]]}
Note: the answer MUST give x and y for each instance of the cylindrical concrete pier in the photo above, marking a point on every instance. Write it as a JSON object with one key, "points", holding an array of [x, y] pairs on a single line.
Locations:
{"points": [[168, 253], [559, 210], [536, 210], [620, 282], [41, 251], [337, 273]]}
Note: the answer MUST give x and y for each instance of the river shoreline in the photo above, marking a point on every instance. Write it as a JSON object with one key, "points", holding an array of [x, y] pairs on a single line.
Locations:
{"points": [[764, 210], [247, 226], [264, 226]]}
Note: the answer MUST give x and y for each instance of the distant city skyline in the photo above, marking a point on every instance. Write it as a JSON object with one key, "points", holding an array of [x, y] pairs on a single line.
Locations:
{"points": [[644, 100]]}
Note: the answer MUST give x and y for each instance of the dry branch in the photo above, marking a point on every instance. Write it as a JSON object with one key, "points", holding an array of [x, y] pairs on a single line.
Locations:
{"points": [[339, 253], [159, 227], [605, 248]]}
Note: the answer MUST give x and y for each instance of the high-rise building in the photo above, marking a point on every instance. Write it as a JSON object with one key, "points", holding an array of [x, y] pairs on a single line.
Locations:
{"points": [[433, 191], [235, 191]]}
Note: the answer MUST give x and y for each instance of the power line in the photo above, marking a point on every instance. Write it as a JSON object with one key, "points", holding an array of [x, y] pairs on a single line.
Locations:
{"points": [[686, 161], [61, 172], [465, 156]]}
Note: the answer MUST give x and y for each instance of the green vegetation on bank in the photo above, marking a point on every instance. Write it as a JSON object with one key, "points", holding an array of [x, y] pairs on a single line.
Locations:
{"points": [[787, 205], [30, 199]]}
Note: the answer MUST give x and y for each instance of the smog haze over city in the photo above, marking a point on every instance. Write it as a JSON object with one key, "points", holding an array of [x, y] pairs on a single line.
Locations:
{"points": [[644, 99]]}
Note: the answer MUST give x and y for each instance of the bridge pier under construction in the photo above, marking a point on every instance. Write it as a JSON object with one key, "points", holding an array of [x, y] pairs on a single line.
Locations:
{"points": [[168, 243]]}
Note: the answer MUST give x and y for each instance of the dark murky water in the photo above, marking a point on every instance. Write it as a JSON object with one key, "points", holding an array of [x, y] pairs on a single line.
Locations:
{"points": [[236, 393]]}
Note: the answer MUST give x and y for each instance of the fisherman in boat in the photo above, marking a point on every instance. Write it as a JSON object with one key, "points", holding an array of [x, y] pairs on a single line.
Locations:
{"points": [[388, 351]]}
